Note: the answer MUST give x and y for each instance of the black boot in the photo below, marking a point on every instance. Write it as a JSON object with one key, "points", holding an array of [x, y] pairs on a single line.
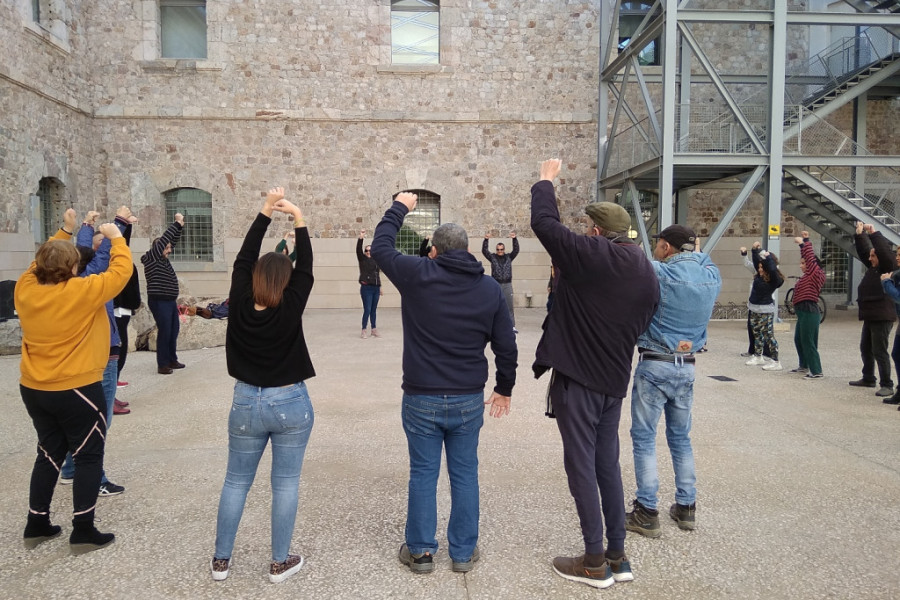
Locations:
{"points": [[86, 538], [38, 529], [895, 399]]}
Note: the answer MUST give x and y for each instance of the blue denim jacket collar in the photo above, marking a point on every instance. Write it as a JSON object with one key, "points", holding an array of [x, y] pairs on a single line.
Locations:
{"points": [[689, 283]]}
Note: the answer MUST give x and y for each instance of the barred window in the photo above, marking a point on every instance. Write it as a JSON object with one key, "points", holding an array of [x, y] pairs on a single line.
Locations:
{"points": [[182, 28], [420, 223], [415, 32], [52, 207], [837, 268], [196, 237]]}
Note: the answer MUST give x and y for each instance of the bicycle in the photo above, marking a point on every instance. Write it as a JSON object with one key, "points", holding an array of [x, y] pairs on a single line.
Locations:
{"points": [[789, 304]]}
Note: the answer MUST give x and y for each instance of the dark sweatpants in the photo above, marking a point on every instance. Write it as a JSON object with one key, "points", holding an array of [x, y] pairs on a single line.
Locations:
{"points": [[873, 348], [589, 426], [70, 420]]}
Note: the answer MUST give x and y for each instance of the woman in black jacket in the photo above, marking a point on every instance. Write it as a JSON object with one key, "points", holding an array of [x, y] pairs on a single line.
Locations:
{"points": [[369, 284], [762, 308]]}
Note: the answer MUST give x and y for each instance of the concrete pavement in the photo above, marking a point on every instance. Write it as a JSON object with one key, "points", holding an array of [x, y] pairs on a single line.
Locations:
{"points": [[798, 485]]}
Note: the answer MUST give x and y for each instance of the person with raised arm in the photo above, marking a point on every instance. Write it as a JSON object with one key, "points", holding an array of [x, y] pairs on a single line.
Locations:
{"points": [[266, 353]]}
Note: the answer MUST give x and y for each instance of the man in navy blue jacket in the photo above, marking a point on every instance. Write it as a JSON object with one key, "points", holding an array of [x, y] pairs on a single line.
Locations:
{"points": [[450, 310], [606, 295]]}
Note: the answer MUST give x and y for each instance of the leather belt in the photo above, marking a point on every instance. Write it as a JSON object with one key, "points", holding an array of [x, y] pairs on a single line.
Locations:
{"points": [[672, 358]]}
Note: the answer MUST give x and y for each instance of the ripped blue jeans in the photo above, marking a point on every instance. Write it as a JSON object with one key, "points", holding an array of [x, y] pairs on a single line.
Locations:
{"points": [[283, 415]]}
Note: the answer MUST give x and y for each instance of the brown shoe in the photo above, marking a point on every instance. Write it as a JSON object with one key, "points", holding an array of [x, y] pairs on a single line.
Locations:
{"points": [[573, 569], [164, 370], [278, 572], [176, 365], [204, 312]]}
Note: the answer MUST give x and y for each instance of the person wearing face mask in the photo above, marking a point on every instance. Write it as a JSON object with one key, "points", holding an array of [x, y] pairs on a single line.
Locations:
{"points": [[162, 293]]}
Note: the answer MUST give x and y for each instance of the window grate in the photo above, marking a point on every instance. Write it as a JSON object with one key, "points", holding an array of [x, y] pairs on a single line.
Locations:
{"points": [[50, 191], [420, 223], [196, 238], [837, 268]]}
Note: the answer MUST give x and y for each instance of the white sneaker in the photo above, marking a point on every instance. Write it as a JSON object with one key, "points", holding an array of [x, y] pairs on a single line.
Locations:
{"points": [[773, 366], [756, 360]]}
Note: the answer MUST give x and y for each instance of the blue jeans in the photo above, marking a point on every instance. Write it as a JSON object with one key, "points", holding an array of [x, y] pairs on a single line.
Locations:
{"points": [[284, 415], [110, 377], [165, 313], [432, 423], [663, 386], [370, 295]]}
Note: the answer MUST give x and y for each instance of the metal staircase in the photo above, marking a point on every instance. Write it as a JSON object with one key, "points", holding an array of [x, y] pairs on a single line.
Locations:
{"points": [[877, 6]]}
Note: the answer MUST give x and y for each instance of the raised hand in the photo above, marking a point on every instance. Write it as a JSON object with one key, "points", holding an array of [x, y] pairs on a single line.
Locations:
{"points": [[408, 199], [798, 240], [274, 195], [69, 219], [757, 245], [91, 217], [362, 233], [123, 212], [110, 231], [550, 168], [179, 218], [512, 235], [288, 207], [804, 234]]}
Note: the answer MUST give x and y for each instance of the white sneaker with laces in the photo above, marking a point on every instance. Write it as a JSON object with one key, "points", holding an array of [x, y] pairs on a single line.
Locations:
{"points": [[756, 360], [773, 366]]}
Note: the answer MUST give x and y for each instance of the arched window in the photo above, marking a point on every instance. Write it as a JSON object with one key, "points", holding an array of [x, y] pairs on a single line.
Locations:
{"points": [[415, 32], [196, 238], [50, 198], [420, 223]]}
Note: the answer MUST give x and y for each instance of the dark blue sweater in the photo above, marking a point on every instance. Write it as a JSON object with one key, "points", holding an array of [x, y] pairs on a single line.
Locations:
{"points": [[451, 310]]}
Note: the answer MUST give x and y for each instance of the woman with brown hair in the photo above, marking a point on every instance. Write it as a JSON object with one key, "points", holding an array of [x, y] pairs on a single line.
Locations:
{"points": [[65, 347], [266, 353]]}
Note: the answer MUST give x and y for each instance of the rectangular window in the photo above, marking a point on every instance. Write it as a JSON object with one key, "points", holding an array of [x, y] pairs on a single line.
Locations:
{"points": [[182, 27], [631, 14], [837, 268], [415, 32]]}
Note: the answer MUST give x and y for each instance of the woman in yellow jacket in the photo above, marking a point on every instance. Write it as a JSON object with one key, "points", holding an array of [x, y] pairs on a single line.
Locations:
{"points": [[65, 347]]}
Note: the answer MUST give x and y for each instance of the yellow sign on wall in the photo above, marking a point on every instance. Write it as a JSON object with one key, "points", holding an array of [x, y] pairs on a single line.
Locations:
{"points": [[774, 229]]}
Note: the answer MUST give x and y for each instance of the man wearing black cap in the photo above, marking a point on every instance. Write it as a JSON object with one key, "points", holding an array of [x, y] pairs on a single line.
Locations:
{"points": [[689, 283], [605, 296]]}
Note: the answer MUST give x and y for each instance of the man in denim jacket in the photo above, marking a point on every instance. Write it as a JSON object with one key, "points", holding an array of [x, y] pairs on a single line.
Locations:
{"points": [[689, 283]]}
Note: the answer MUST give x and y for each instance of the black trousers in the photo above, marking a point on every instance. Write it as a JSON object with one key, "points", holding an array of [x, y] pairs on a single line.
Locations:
{"points": [[873, 348], [67, 421], [122, 326], [589, 426]]}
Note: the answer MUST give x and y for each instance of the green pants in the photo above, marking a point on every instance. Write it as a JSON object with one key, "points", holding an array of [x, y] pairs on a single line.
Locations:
{"points": [[806, 339]]}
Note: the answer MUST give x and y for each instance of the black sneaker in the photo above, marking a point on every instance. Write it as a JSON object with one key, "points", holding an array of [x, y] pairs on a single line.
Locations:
{"points": [[863, 383], [573, 569], [895, 399], [643, 521], [110, 489], [417, 563], [684, 515]]}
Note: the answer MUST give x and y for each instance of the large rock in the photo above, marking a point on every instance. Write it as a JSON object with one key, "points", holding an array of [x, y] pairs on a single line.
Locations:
{"points": [[195, 333], [10, 337]]}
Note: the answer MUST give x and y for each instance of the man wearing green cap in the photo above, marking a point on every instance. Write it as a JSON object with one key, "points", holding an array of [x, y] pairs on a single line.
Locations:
{"points": [[606, 295]]}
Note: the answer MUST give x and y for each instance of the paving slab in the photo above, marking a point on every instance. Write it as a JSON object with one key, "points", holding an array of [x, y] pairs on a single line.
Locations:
{"points": [[798, 484]]}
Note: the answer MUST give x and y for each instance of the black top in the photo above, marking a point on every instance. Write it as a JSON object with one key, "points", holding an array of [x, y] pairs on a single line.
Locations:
{"points": [[162, 283], [606, 294], [266, 347], [501, 266], [130, 297], [368, 269], [761, 291], [874, 304]]}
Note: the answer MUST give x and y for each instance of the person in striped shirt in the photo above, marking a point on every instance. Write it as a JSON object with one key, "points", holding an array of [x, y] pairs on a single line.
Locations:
{"points": [[162, 293], [806, 296]]}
